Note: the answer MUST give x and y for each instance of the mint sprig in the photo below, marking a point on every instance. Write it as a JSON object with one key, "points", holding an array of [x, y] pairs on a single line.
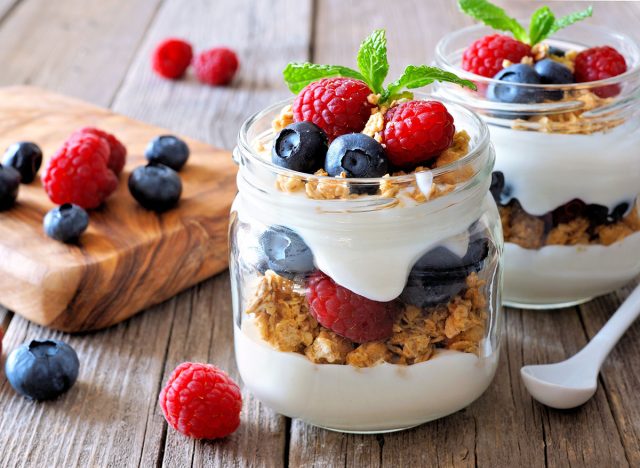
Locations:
{"points": [[543, 22], [373, 68]]}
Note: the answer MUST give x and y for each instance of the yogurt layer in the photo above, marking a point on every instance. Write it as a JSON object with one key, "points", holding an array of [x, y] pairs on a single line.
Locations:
{"points": [[546, 170], [385, 397], [560, 273]]}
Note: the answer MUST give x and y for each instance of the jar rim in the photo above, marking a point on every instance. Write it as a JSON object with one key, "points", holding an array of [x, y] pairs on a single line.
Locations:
{"points": [[475, 151], [443, 61]]}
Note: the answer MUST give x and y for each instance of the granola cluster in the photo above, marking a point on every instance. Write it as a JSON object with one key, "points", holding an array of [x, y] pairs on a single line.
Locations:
{"points": [[530, 232], [281, 314]]}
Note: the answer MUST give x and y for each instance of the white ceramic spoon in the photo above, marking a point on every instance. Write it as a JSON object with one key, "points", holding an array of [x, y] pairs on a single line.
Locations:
{"points": [[571, 383]]}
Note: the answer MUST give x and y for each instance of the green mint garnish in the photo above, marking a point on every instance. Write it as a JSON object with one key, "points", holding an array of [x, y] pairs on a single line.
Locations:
{"points": [[543, 22], [373, 68]]}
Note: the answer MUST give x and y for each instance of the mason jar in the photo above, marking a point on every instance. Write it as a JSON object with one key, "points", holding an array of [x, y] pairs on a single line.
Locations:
{"points": [[567, 173], [410, 266]]}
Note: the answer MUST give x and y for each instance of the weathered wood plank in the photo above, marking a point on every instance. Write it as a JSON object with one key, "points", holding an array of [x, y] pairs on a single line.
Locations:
{"points": [[5, 8], [78, 48]]}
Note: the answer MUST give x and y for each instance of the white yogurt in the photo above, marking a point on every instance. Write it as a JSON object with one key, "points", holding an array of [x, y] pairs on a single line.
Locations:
{"points": [[385, 397], [546, 170]]}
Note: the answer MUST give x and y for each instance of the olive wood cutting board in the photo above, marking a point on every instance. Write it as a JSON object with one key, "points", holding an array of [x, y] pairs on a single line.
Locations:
{"points": [[129, 258]]}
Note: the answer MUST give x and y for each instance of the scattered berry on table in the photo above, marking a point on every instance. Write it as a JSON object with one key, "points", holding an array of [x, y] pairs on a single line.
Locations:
{"points": [[300, 146], [117, 151], [216, 66], [201, 401], [26, 158], [485, 56], [66, 223], [336, 105], [168, 150], [155, 186], [599, 63], [42, 370], [518, 73], [416, 132], [552, 72], [348, 314], [171, 58], [78, 172], [286, 252], [357, 155], [9, 186]]}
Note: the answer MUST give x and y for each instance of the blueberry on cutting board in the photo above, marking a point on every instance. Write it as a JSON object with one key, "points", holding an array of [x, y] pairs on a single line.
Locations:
{"points": [[42, 370], [26, 158], [155, 186], [9, 185], [168, 150], [301, 147], [285, 252], [66, 223]]}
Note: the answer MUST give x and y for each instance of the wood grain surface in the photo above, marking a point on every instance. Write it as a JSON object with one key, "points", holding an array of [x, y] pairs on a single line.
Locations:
{"points": [[111, 417], [129, 258]]}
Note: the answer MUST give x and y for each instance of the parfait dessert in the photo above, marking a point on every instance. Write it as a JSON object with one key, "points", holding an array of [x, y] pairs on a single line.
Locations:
{"points": [[365, 249], [562, 109]]}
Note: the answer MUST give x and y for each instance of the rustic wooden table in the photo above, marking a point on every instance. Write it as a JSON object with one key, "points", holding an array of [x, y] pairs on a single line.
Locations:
{"points": [[99, 51]]}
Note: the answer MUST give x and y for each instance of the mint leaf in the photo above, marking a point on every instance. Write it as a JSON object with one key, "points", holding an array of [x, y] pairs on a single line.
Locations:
{"points": [[298, 75], [570, 19], [541, 23], [417, 77], [493, 16], [372, 60]]}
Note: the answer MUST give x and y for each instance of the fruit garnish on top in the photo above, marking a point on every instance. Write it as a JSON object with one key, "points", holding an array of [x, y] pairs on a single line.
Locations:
{"points": [[347, 123], [525, 58]]}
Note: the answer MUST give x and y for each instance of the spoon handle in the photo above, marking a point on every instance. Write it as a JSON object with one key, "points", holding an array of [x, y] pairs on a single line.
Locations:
{"points": [[604, 341]]}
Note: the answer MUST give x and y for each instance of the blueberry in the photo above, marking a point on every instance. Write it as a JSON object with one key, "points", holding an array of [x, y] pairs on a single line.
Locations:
{"points": [[9, 185], [477, 252], [168, 150], [518, 73], [155, 186], [301, 146], [497, 185], [434, 279], [66, 223], [285, 252], [558, 52], [358, 155], [552, 72], [26, 158], [619, 211], [42, 370]]}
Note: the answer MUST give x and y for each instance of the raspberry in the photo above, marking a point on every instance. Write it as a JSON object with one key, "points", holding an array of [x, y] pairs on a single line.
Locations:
{"points": [[336, 105], [599, 63], [417, 131], [216, 66], [117, 151], [201, 401], [348, 314], [78, 172], [171, 58], [485, 56]]}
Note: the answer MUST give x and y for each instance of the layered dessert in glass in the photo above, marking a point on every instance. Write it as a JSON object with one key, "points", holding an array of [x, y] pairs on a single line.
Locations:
{"points": [[564, 118]]}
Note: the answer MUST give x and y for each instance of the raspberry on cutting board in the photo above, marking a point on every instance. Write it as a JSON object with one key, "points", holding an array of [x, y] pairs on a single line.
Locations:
{"points": [[201, 401], [117, 151]]}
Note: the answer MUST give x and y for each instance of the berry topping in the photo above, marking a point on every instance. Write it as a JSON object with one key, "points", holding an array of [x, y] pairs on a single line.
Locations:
{"points": [[416, 132], [553, 50], [518, 73], [117, 151], [552, 72], [336, 105], [599, 63], [9, 185], [171, 58], [201, 401], [485, 56], [26, 158], [168, 150], [78, 172], [348, 314], [42, 370], [216, 66], [300, 146], [285, 252], [66, 223], [357, 155], [155, 186]]}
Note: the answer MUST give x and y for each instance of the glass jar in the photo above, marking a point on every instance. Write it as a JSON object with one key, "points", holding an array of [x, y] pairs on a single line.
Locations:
{"points": [[567, 171], [409, 265]]}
